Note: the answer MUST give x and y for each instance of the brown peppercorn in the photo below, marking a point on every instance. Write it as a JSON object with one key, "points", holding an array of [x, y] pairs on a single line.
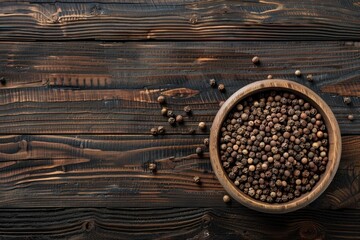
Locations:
{"points": [[255, 60], [179, 119], [152, 166], [226, 198], [197, 179], [154, 131], [221, 87], [206, 141], [161, 99], [170, 113], [212, 82], [309, 77], [202, 125], [164, 111], [351, 117], [199, 151], [298, 73], [161, 130], [347, 100], [269, 77], [187, 109], [171, 121]]}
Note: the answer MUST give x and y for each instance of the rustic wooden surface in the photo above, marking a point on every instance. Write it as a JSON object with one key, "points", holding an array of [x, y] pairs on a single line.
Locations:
{"points": [[75, 116], [179, 20]]}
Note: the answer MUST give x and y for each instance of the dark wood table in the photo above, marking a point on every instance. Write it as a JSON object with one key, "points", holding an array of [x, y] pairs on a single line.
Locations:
{"points": [[78, 97]]}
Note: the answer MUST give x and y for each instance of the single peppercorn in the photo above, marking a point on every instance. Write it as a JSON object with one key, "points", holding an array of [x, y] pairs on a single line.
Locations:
{"points": [[187, 109], [202, 125], [161, 130], [161, 99], [221, 87], [179, 119], [298, 73], [154, 131], [171, 120], [347, 100], [255, 60], [226, 198], [152, 166], [164, 111], [197, 179], [309, 77], [212, 82], [199, 151], [269, 77], [206, 142], [351, 117]]}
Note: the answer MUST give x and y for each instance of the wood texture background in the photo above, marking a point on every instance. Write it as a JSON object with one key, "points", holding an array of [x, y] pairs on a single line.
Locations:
{"points": [[75, 116]]}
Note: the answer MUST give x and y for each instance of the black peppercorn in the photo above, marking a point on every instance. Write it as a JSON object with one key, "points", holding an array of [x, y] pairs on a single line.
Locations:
{"points": [[161, 99], [221, 87]]}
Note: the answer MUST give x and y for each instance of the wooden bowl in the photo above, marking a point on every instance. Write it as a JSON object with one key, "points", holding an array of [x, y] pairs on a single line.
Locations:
{"points": [[334, 151]]}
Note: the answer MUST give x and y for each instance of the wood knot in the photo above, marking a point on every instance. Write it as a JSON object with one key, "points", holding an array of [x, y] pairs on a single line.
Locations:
{"points": [[23, 145], [310, 230], [96, 10], [88, 225]]}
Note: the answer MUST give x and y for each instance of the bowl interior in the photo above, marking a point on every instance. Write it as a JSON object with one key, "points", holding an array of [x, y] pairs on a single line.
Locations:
{"points": [[334, 151]]}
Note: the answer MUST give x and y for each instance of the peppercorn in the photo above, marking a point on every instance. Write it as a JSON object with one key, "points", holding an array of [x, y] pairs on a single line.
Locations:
{"points": [[179, 119], [351, 117], [199, 151], [202, 125], [171, 121], [197, 179], [212, 82], [298, 73], [255, 60], [187, 109], [161, 130], [154, 131], [164, 111], [269, 77], [161, 99], [221, 87], [309, 77], [347, 100], [206, 142], [226, 198], [170, 113], [152, 166]]}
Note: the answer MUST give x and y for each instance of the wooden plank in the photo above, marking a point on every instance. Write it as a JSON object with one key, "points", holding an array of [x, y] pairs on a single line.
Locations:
{"points": [[108, 88], [112, 171], [179, 20], [176, 223]]}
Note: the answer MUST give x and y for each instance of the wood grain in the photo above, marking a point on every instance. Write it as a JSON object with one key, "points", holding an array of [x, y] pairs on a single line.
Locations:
{"points": [[108, 88], [179, 20], [175, 223], [112, 171]]}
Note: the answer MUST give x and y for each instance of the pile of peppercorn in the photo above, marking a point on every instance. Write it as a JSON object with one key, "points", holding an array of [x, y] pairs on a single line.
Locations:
{"points": [[274, 146]]}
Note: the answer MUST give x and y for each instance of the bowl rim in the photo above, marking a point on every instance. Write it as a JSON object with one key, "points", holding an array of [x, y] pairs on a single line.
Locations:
{"points": [[334, 152]]}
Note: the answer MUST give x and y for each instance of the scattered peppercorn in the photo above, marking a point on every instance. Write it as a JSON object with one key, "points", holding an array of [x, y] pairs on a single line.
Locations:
{"points": [[164, 111], [275, 142], [171, 120], [212, 82], [221, 87], [202, 125], [226, 198], [269, 76], [187, 109], [161, 130], [206, 142], [347, 100], [197, 179], [199, 151], [179, 119], [309, 77], [351, 117], [255, 60], [154, 131], [152, 166], [161, 99], [298, 73], [2, 80]]}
